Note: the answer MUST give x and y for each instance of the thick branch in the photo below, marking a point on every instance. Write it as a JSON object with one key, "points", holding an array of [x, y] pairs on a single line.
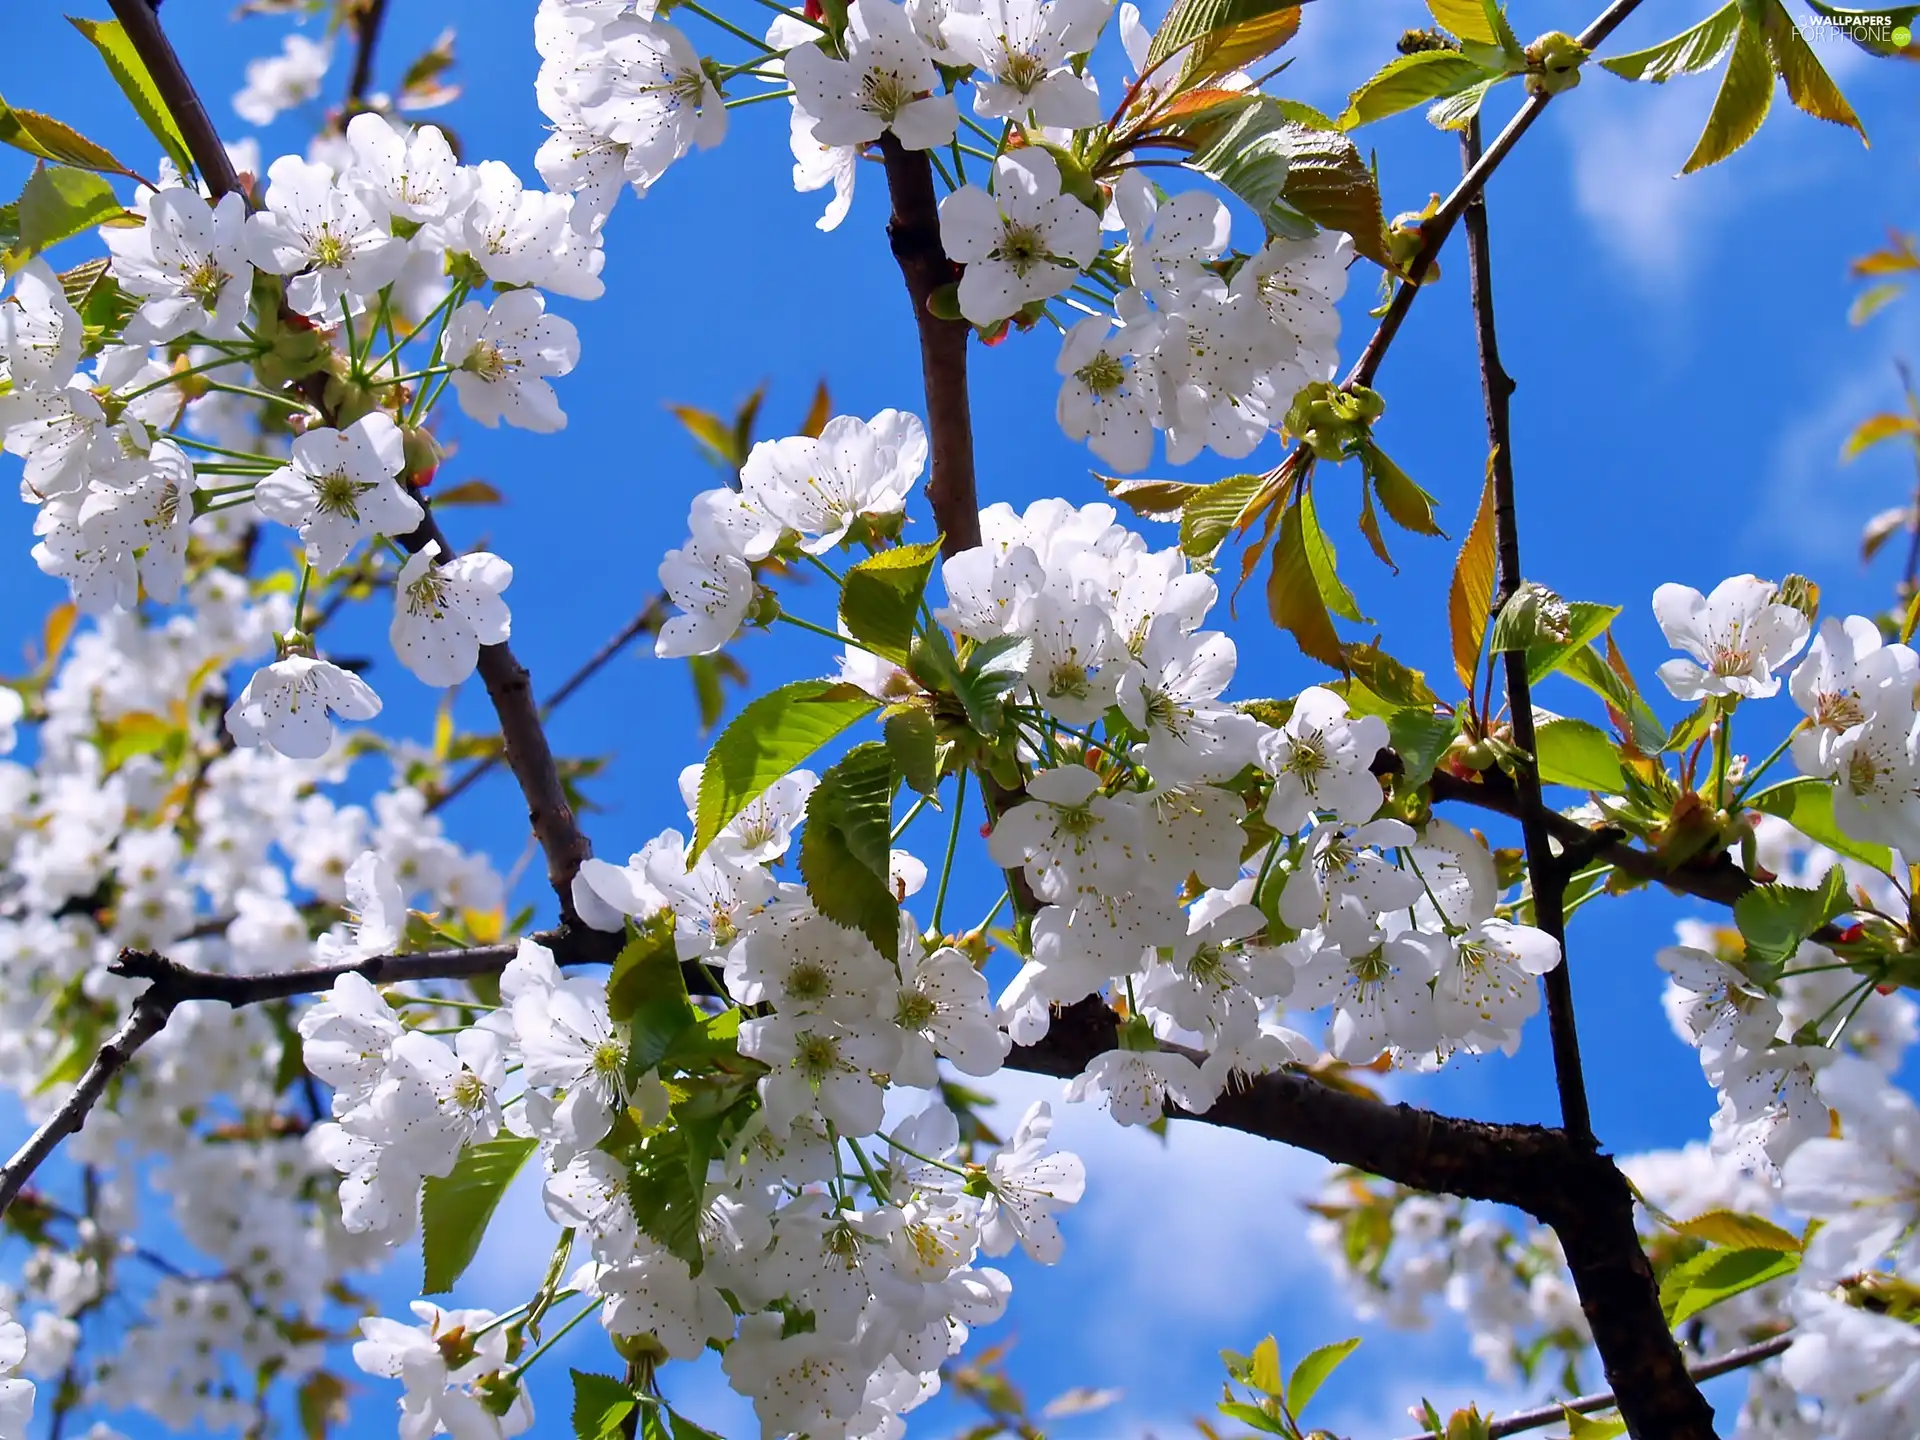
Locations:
{"points": [[1547, 873], [147, 1018], [523, 737], [647, 622], [139, 18], [914, 231], [365, 20], [1435, 229]]}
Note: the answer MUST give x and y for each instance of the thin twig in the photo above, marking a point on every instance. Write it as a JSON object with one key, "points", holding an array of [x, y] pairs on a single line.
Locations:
{"points": [[1526, 1420], [645, 623], [141, 21], [1548, 874], [365, 20], [1436, 227]]}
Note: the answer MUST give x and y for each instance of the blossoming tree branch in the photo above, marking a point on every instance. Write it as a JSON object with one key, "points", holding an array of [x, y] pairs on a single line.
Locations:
{"points": [[311, 1032]]}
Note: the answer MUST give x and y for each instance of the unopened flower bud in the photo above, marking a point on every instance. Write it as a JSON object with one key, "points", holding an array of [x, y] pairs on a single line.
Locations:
{"points": [[1802, 594], [1553, 63]]}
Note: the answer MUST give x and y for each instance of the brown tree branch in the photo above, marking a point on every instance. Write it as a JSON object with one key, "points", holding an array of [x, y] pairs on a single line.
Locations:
{"points": [[1436, 227], [914, 231], [1525, 1420], [1546, 871], [365, 20], [647, 622], [141, 21]]}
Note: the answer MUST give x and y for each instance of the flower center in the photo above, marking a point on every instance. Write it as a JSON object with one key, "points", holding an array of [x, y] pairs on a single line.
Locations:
{"points": [[608, 1059], [817, 1056], [885, 93], [339, 494], [808, 981], [1102, 375], [203, 282], [1023, 71], [915, 1011], [469, 1093], [1731, 660], [428, 595], [1838, 711], [329, 250], [1021, 246], [487, 362]]}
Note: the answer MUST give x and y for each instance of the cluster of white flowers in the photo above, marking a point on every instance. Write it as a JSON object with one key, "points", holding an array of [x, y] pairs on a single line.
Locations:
{"points": [[225, 860]]}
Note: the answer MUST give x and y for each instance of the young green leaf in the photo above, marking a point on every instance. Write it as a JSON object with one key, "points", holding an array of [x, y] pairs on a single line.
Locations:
{"points": [[455, 1209], [1688, 53], [1420, 737], [1409, 80], [685, 1429], [1293, 596], [1714, 1275], [1325, 563], [666, 1201], [881, 598], [1456, 111], [57, 203], [1586, 622], [1312, 1372], [50, 139], [1406, 504], [1580, 1427], [1807, 804], [1746, 92], [601, 1405], [1775, 919], [1573, 752], [992, 670], [844, 849], [766, 740], [647, 991], [1263, 1371], [131, 75], [1464, 18], [915, 748], [1737, 1231], [1208, 516], [1191, 21], [1809, 86], [1873, 30], [1471, 594]]}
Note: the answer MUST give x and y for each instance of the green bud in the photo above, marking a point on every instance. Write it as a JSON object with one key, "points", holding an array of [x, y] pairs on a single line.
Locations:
{"points": [[1553, 63], [1075, 179], [423, 454], [1137, 1034], [765, 608], [1802, 594]]}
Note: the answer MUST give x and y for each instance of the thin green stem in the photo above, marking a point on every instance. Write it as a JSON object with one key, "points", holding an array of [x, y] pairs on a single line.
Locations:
{"points": [[252, 394], [953, 845], [941, 170], [949, 1167], [874, 1182], [814, 629], [1722, 753], [257, 471], [300, 599], [174, 376], [553, 1339], [763, 96], [1866, 989], [728, 26], [1752, 776], [425, 374], [425, 320], [997, 141], [353, 342], [908, 818], [779, 9], [218, 450], [1005, 896]]}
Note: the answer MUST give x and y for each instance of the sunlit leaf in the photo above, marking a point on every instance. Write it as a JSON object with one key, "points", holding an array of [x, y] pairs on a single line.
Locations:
{"points": [[1470, 596], [1746, 93]]}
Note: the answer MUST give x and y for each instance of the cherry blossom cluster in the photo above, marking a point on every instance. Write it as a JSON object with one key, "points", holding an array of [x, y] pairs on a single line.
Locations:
{"points": [[229, 860]]}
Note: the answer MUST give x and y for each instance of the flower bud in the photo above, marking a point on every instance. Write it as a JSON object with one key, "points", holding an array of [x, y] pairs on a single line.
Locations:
{"points": [[1553, 63], [1802, 594], [423, 455]]}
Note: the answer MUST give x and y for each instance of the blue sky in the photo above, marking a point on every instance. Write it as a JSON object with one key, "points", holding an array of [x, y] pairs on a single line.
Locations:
{"points": [[1686, 375]]}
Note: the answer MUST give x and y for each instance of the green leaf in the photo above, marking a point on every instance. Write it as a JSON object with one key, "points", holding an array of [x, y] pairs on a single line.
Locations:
{"points": [[766, 740], [1208, 516], [455, 1210], [1739, 1232], [1420, 737], [1150, 499], [1291, 172], [1688, 53], [1586, 622], [1324, 561], [1406, 504], [322, 1402], [1263, 1371], [1471, 593], [1399, 685], [666, 1201], [1807, 804], [881, 598], [1587, 666], [701, 1044], [1311, 1373], [1714, 1275], [58, 203], [1189, 20], [1456, 111], [1293, 595], [1573, 752], [647, 990], [1809, 86], [601, 1405], [1579, 1427], [993, 669], [1775, 919], [1252, 1415], [130, 73], [685, 1429], [915, 748], [1409, 80], [1464, 18], [844, 849], [1746, 92], [51, 139]]}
